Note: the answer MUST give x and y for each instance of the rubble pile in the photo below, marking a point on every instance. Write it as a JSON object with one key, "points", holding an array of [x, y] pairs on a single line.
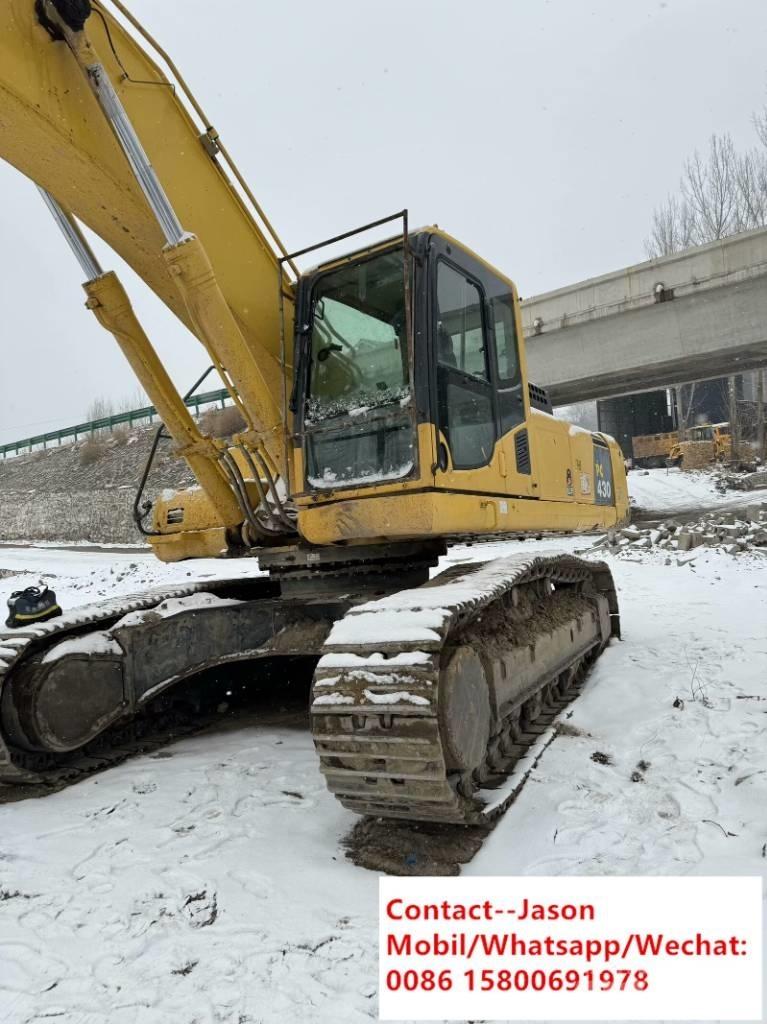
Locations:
{"points": [[749, 481], [730, 532]]}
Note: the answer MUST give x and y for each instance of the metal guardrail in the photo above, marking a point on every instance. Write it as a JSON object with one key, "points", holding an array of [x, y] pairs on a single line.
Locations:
{"points": [[108, 423]]}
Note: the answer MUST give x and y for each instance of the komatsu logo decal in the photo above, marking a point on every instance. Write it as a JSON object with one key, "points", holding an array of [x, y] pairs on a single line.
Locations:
{"points": [[603, 477]]}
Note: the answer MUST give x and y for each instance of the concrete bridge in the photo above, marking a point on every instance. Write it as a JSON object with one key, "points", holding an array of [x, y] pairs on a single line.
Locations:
{"points": [[699, 314]]}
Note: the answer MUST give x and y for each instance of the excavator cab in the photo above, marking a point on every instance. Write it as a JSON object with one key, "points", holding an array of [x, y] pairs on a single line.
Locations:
{"points": [[410, 387]]}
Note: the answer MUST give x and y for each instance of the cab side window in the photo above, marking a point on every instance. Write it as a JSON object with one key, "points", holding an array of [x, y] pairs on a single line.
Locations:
{"points": [[460, 334], [505, 338], [466, 411], [511, 406]]}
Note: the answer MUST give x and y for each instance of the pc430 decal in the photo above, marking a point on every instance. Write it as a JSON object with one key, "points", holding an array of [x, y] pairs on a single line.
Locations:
{"points": [[604, 493]]}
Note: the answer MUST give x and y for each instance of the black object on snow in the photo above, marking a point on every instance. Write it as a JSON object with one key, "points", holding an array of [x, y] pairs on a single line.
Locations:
{"points": [[35, 604]]}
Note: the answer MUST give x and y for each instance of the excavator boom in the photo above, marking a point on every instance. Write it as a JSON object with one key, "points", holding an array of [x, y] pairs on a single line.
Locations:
{"points": [[53, 130]]}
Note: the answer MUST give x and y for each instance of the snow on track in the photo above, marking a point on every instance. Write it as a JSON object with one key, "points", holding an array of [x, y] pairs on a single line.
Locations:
{"points": [[211, 886]]}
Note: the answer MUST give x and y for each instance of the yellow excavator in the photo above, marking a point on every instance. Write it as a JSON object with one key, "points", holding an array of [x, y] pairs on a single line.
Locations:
{"points": [[387, 414]]}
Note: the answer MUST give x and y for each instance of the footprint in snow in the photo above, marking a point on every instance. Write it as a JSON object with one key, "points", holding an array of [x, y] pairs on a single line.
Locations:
{"points": [[144, 786], [29, 970], [201, 908], [668, 808], [254, 884]]}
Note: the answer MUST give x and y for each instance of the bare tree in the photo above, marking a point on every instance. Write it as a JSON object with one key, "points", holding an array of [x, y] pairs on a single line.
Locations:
{"points": [[683, 416], [751, 190], [760, 123], [672, 228], [100, 408], [720, 193], [709, 187], [137, 399]]}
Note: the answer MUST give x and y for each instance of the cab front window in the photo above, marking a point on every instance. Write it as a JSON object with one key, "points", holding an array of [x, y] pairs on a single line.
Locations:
{"points": [[357, 413], [358, 343]]}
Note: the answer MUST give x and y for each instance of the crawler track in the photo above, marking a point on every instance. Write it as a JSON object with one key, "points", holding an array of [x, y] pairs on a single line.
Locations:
{"points": [[435, 704], [89, 689], [39, 774], [432, 704], [123, 740]]}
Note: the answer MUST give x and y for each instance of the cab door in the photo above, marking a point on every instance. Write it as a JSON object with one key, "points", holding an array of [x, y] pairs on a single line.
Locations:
{"points": [[465, 402], [477, 386]]}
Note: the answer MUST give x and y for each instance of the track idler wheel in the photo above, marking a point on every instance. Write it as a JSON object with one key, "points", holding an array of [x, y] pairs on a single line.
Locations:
{"points": [[464, 710]]}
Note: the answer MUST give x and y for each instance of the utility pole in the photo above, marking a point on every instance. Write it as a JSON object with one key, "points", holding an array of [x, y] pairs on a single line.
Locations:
{"points": [[760, 413], [734, 426]]}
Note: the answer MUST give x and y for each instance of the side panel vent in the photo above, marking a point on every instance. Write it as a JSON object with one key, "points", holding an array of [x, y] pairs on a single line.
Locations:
{"points": [[522, 452], [539, 398], [174, 516]]}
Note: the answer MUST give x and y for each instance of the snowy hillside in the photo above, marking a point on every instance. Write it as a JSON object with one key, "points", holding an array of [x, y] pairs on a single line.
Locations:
{"points": [[208, 882]]}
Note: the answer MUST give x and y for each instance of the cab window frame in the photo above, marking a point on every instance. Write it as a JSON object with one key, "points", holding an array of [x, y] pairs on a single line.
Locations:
{"points": [[448, 376], [507, 300], [485, 325]]}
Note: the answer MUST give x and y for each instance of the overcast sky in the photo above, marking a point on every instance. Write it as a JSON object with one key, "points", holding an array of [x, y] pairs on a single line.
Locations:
{"points": [[540, 132]]}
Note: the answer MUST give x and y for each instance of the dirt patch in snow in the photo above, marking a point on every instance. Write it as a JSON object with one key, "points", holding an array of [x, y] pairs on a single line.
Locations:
{"points": [[412, 848], [565, 729], [599, 757]]}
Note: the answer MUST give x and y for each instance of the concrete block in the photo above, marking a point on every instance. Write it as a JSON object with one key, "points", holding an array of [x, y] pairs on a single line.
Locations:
{"points": [[754, 481], [730, 530], [631, 532]]}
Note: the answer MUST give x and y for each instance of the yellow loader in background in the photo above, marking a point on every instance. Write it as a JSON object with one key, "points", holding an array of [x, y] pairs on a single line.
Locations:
{"points": [[704, 445]]}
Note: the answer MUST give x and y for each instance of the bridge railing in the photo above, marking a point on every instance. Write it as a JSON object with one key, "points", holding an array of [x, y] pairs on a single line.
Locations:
{"points": [[108, 423]]}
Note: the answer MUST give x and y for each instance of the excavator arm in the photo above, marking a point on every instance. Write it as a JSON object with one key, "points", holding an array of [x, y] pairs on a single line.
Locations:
{"points": [[88, 115]]}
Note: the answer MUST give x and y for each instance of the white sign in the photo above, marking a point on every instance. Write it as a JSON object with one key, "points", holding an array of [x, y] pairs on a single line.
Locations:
{"points": [[571, 948]]}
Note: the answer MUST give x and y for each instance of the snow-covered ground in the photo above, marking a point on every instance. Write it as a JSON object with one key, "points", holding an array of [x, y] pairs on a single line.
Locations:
{"points": [[669, 491], [212, 885], [79, 577]]}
